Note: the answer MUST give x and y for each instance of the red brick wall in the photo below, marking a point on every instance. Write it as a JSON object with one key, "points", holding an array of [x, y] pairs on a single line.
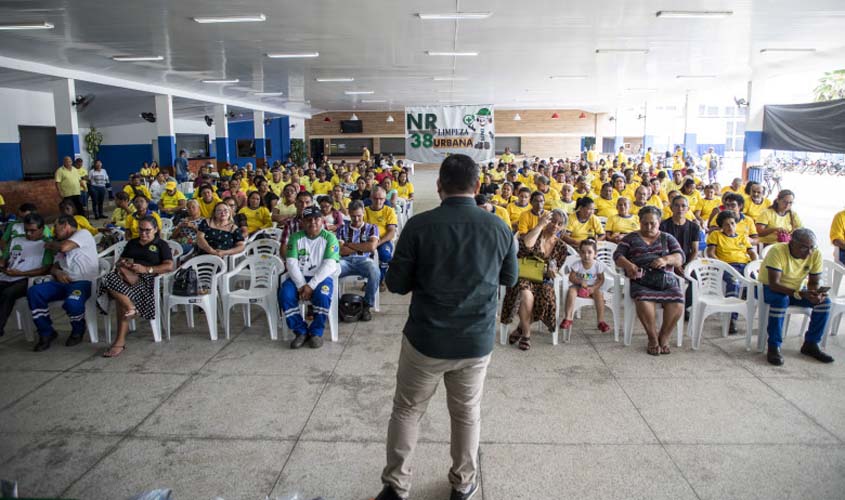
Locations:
{"points": [[42, 193]]}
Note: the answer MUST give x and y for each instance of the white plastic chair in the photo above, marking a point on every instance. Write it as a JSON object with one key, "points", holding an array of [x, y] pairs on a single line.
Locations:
{"points": [[832, 276], [608, 290], [264, 246], [166, 228], [358, 280], [209, 269], [176, 251], [274, 233], [263, 271], [112, 253], [187, 189], [708, 296], [752, 271], [303, 306], [630, 310]]}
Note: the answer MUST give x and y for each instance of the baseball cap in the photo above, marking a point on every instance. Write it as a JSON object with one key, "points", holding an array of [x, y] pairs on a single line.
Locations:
{"points": [[170, 185], [311, 211]]}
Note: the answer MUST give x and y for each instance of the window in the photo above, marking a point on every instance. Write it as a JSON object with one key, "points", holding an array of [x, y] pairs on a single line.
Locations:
{"points": [[712, 110], [515, 143], [701, 109], [38, 152], [246, 148], [195, 144], [349, 147], [392, 145], [729, 110]]}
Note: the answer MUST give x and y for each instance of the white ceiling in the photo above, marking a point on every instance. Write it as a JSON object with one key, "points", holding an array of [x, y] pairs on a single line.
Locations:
{"points": [[382, 44]]}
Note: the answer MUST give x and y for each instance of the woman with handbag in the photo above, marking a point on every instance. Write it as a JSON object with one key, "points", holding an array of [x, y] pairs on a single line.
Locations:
{"points": [[648, 257], [131, 282], [533, 297], [776, 223]]}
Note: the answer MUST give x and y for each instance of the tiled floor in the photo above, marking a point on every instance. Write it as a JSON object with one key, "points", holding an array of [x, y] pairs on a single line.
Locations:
{"points": [[247, 417]]}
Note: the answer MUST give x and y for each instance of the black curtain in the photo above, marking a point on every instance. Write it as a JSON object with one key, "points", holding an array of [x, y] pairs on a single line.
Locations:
{"points": [[817, 127]]}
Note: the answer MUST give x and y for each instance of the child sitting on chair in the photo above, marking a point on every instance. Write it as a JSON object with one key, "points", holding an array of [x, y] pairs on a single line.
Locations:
{"points": [[586, 277], [732, 248]]}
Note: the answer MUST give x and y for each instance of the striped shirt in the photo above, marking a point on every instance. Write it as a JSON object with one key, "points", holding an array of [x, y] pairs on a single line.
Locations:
{"points": [[361, 234]]}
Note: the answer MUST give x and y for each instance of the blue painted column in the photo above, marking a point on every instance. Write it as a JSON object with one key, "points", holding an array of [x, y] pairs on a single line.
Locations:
{"points": [[67, 125], [618, 142], [164, 128], [648, 142], [690, 143], [221, 141], [284, 138], [753, 141]]}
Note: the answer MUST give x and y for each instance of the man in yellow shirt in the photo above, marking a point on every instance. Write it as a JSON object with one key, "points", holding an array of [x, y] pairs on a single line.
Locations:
{"points": [[207, 199], [592, 155], [365, 154], [276, 183], [321, 186], [385, 219], [837, 236], [172, 200], [134, 188], [507, 157], [735, 186], [784, 272], [531, 217], [69, 184], [482, 201], [621, 158]]}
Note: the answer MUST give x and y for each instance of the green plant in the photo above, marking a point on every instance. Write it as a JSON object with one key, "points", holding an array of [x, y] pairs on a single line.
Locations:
{"points": [[831, 86], [297, 150], [93, 139]]}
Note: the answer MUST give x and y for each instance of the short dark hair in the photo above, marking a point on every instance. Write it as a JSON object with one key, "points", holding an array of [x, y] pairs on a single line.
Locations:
{"points": [[149, 219], [458, 174], [583, 202], [303, 194], [67, 219], [650, 210], [725, 215], [121, 195], [27, 207], [355, 205], [34, 218], [324, 198], [481, 199], [537, 194], [737, 198]]}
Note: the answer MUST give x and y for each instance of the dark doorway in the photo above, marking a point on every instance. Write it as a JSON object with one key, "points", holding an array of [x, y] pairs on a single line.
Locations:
{"points": [[38, 152], [318, 148]]}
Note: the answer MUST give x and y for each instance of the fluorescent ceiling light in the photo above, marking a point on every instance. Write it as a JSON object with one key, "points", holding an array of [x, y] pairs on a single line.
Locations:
{"points": [[26, 26], [294, 55], [359, 92], [786, 51], [254, 18], [621, 51], [234, 80], [372, 101], [330, 80], [695, 77], [694, 14], [568, 77], [449, 78], [640, 89], [137, 58], [539, 91], [268, 94], [451, 54], [454, 15]]}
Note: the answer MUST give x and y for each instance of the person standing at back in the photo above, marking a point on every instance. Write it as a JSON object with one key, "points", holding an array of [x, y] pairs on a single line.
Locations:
{"points": [[453, 259], [180, 167]]}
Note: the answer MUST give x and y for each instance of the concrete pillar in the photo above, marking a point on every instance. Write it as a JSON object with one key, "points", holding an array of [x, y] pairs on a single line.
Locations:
{"points": [[648, 121], [67, 125], [165, 131], [690, 125], [260, 149], [753, 126], [221, 129]]}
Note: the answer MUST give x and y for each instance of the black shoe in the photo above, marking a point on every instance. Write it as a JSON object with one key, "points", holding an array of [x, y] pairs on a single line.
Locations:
{"points": [[315, 342], [457, 495], [732, 327], [298, 341], [44, 342], [387, 493], [774, 356], [74, 340], [366, 315], [686, 315], [812, 350]]}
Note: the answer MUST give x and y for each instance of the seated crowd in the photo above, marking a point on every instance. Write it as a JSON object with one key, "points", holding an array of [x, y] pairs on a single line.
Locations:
{"points": [[333, 220], [656, 213]]}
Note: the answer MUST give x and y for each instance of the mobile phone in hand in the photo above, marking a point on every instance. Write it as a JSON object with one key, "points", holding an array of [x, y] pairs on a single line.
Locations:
{"points": [[821, 289]]}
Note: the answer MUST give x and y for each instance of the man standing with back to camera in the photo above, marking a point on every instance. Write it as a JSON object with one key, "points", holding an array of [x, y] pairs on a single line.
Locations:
{"points": [[453, 259]]}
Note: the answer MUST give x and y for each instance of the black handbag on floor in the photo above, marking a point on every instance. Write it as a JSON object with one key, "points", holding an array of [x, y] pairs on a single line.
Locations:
{"points": [[185, 284]]}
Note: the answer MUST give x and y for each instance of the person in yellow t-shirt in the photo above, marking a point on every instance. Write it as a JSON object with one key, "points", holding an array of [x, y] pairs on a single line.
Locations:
{"points": [[599, 181], [529, 219], [784, 272], [583, 224], [257, 216], [507, 157], [504, 196], [567, 203], [66, 207], [207, 199], [592, 155], [483, 202], [134, 188], [141, 210], [706, 205], [649, 158], [658, 195], [321, 186], [777, 222], [689, 192], [68, 181], [745, 225], [404, 188], [621, 157], [837, 236], [667, 212], [605, 203], [276, 183], [755, 200], [385, 218], [735, 186], [172, 200], [519, 206], [732, 248], [622, 222]]}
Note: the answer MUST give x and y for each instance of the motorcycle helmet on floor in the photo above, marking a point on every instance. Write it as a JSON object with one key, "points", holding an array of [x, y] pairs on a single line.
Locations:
{"points": [[350, 307]]}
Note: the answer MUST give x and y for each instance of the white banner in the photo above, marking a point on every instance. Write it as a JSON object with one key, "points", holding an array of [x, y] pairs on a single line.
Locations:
{"points": [[434, 132]]}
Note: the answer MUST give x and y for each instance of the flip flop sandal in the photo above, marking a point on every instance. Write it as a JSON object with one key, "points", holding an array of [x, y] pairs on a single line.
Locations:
{"points": [[118, 353], [514, 337], [653, 350], [524, 343], [664, 349]]}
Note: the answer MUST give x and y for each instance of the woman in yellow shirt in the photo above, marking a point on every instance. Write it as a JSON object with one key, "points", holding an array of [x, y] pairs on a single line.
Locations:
{"points": [[257, 216], [505, 196], [777, 222], [689, 192], [584, 224], [837, 236], [606, 203], [518, 207], [208, 199], [67, 207], [706, 205], [755, 200], [404, 188], [622, 222]]}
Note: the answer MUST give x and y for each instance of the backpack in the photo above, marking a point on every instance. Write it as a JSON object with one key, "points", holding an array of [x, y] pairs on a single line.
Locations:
{"points": [[185, 284], [714, 163]]}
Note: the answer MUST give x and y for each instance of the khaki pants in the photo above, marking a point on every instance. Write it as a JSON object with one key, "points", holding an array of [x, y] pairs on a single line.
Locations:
{"points": [[416, 381]]}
